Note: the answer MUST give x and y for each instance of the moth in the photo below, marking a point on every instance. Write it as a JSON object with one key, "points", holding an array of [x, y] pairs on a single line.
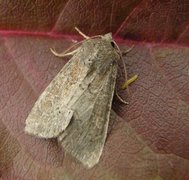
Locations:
{"points": [[75, 107]]}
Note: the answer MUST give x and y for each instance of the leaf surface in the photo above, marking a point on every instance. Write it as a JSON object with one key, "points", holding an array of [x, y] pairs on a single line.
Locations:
{"points": [[149, 138]]}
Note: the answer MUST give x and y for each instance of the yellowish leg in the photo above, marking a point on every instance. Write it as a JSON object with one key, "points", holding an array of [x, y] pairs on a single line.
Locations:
{"points": [[124, 66], [129, 81], [124, 86]]}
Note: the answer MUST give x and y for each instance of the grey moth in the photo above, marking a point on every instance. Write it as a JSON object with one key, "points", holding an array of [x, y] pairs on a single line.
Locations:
{"points": [[75, 107]]}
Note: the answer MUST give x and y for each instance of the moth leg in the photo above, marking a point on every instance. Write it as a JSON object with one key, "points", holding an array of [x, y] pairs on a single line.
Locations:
{"points": [[82, 34], [120, 98], [124, 86], [124, 53], [63, 54], [129, 81]]}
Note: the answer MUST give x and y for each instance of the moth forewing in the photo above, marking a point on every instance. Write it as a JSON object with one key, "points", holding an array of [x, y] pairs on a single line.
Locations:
{"points": [[84, 138], [75, 107], [50, 114]]}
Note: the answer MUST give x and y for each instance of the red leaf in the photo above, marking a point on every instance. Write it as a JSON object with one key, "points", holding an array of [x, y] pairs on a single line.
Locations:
{"points": [[149, 138]]}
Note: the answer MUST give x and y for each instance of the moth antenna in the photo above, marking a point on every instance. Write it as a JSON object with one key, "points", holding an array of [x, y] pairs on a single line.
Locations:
{"points": [[67, 50], [82, 34], [85, 36], [63, 54]]}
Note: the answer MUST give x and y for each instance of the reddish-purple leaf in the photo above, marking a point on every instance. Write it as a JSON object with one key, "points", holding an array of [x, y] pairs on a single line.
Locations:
{"points": [[149, 138]]}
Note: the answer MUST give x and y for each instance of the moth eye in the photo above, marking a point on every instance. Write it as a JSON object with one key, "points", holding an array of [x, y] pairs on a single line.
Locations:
{"points": [[113, 44]]}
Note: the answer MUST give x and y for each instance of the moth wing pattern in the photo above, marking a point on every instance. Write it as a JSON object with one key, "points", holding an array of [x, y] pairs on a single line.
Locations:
{"points": [[50, 114], [75, 107], [84, 138]]}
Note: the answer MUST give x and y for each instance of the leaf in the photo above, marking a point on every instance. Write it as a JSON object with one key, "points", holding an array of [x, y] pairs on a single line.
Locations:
{"points": [[148, 139]]}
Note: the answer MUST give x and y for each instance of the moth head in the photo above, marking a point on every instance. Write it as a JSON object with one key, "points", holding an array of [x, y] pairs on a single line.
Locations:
{"points": [[108, 37]]}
